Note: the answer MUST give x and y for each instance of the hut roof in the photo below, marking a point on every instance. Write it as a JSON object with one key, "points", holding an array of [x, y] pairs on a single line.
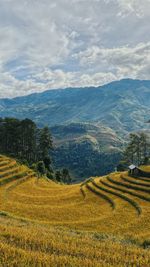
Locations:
{"points": [[132, 167]]}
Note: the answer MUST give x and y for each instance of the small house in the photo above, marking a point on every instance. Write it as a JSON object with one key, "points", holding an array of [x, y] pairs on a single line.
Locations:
{"points": [[134, 170]]}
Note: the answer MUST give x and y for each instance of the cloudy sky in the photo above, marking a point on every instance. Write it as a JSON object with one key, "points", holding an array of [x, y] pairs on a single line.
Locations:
{"points": [[48, 44]]}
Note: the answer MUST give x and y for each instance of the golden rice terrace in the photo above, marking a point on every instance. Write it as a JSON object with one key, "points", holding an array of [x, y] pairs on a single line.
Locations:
{"points": [[102, 222]]}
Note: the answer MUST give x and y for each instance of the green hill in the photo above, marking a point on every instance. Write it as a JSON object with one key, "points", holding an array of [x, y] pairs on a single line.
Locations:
{"points": [[86, 149], [89, 125], [122, 105]]}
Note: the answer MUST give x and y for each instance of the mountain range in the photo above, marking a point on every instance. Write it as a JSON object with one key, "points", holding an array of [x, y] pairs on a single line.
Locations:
{"points": [[95, 118]]}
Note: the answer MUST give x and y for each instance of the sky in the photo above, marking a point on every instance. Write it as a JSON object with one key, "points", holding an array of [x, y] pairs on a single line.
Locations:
{"points": [[50, 44]]}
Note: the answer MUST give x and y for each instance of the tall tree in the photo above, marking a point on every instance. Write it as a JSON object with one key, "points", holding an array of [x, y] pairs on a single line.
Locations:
{"points": [[22, 139], [138, 149], [66, 178], [45, 142], [58, 176], [28, 146]]}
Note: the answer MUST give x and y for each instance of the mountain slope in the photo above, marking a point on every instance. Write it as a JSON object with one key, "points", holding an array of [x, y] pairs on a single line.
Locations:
{"points": [[86, 149], [89, 125], [123, 105], [102, 137]]}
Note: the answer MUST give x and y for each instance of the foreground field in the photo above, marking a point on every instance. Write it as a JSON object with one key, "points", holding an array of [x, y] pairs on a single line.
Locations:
{"points": [[102, 222]]}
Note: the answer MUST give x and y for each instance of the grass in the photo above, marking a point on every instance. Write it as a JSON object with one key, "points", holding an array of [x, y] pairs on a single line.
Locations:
{"points": [[11, 171], [135, 182], [8, 166], [82, 191], [129, 191], [144, 179], [103, 196], [60, 247], [90, 224], [145, 168], [137, 187], [124, 197]]}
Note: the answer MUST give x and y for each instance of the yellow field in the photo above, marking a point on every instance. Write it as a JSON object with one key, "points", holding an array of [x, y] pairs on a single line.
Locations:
{"points": [[102, 222]]}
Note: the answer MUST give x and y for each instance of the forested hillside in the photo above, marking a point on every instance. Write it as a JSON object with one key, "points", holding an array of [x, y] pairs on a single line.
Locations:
{"points": [[23, 140], [122, 105], [90, 125], [86, 149]]}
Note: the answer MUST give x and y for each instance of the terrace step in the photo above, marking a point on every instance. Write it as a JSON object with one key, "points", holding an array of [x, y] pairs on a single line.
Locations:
{"points": [[8, 166], [125, 198], [11, 171], [130, 180], [103, 196], [111, 183], [129, 186]]}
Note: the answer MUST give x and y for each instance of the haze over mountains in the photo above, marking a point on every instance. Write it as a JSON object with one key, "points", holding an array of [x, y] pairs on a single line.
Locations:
{"points": [[123, 105], [98, 119]]}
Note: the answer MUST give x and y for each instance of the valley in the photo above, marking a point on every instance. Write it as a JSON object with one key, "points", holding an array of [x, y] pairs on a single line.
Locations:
{"points": [[87, 121], [74, 133], [86, 149]]}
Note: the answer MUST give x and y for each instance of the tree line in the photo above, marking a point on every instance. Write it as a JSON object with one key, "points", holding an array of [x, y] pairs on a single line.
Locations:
{"points": [[23, 140], [137, 151]]}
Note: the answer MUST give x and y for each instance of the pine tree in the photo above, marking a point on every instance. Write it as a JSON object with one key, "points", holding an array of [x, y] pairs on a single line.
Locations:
{"points": [[45, 142], [40, 166], [58, 176], [66, 178], [137, 151]]}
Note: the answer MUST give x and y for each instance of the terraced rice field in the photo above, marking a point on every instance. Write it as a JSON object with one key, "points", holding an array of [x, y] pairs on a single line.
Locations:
{"points": [[103, 222]]}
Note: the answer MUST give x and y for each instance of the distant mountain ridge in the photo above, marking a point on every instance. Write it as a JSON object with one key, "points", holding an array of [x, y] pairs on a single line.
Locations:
{"points": [[121, 105], [89, 125]]}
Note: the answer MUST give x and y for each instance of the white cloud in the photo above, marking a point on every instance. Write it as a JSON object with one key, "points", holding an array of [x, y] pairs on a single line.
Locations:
{"points": [[72, 43], [133, 7], [13, 87], [122, 61]]}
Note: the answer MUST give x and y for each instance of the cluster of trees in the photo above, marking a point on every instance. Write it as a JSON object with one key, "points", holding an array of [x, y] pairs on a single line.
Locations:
{"points": [[23, 140], [137, 151], [63, 176], [44, 167], [85, 161]]}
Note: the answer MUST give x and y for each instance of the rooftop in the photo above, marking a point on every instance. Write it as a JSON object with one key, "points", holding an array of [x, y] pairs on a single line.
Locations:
{"points": [[132, 167]]}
